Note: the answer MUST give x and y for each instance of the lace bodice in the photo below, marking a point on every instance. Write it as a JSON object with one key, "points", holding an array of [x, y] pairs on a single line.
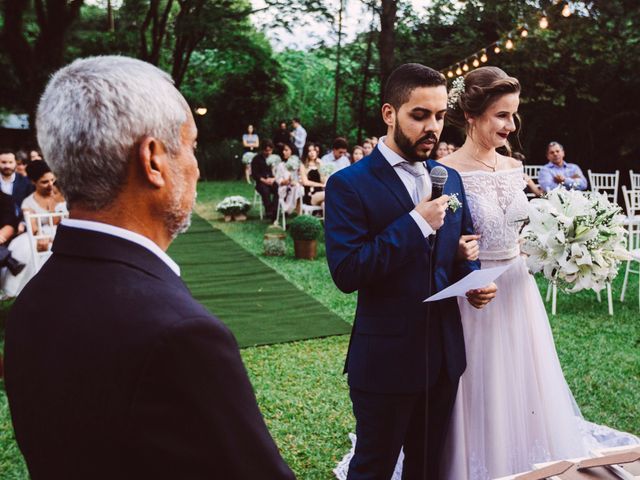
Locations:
{"points": [[498, 205]]}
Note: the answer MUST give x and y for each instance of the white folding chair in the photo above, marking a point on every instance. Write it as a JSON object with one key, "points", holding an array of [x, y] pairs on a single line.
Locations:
{"points": [[552, 294], [635, 180], [632, 205], [310, 209], [533, 172], [606, 183], [41, 228], [281, 213], [257, 201], [634, 250]]}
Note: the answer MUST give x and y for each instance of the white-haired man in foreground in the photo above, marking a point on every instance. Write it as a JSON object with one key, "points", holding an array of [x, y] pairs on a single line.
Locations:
{"points": [[113, 370]]}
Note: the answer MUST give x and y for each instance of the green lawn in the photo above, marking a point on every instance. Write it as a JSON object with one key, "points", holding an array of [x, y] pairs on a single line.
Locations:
{"points": [[304, 396]]}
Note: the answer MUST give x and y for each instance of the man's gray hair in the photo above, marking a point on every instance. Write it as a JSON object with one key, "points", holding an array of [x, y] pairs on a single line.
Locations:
{"points": [[91, 117], [555, 144]]}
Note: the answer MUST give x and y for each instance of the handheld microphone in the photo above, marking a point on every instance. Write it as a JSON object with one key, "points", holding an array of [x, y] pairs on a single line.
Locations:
{"points": [[439, 177]]}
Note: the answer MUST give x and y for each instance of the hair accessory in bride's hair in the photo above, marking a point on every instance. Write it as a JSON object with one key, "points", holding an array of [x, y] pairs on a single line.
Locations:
{"points": [[457, 89]]}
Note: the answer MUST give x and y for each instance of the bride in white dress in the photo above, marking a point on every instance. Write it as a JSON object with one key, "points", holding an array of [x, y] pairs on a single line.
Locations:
{"points": [[514, 407]]}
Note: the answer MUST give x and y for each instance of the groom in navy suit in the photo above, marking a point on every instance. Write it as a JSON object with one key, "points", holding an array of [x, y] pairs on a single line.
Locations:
{"points": [[389, 241]]}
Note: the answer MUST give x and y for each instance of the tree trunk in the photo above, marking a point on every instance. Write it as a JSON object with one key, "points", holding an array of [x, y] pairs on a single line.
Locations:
{"points": [[387, 41], [336, 96], [365, 79]]}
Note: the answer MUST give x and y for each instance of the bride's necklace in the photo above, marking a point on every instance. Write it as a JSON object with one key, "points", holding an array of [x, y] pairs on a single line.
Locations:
{"points": [[491, 167]]}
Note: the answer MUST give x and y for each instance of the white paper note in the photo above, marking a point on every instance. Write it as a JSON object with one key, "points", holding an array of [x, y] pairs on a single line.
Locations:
{"points": [[476, 279]]}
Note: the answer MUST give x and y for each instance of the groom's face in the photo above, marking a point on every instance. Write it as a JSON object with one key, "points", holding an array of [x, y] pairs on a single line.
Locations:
{"points": [[419, 122]]}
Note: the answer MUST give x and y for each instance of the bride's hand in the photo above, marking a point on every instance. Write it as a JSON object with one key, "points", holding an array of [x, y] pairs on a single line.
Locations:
{"points": [[468, 248], [481, 296]]}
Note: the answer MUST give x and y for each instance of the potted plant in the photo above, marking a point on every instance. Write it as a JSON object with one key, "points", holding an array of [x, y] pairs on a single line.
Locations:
{"points": [[234, 208], [305, 231], [274, 241]]}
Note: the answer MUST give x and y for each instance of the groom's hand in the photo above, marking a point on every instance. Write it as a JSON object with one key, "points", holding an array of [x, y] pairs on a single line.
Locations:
{"points": [[481, 296], [433, 211], [468, 247]]}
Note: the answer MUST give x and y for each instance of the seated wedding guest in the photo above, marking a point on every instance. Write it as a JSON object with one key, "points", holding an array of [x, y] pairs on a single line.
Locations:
{"points": [[310, 176], [374, 141], [34, 155], [558, 173], [250, 143], [338, 155], [42, 200], [357, 154], [290, 191], [266, 184], [22, 160], [441, 151], [532, 187], [452, 147], [8, 227], [367, 146], [12, 183], [112, 369]]}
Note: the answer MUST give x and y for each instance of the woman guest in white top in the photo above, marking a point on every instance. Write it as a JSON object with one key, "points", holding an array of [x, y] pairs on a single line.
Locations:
{"points": [[42, 200]]}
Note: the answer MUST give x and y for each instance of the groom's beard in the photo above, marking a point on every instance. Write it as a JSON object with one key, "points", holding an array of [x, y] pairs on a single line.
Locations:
{"points": [[410, 150]]}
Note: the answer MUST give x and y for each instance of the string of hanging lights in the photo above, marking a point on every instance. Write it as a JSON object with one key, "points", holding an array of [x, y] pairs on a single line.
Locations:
{"points": [[508, 42]]}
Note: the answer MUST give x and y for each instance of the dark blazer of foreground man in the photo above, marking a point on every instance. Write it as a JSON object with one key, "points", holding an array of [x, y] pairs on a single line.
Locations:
{"points": [[113, 370]]}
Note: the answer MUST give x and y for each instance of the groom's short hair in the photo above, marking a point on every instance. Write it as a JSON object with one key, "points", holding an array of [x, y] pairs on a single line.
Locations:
{"points": [[406, 78]]}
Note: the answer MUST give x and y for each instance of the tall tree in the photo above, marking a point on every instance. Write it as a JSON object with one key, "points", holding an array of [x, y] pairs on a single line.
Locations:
{"points": [[34, 60], [336, 95], [387, 40]]}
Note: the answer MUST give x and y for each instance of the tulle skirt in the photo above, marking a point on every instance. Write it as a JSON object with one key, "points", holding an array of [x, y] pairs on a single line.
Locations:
{"points": [[514, 407]]}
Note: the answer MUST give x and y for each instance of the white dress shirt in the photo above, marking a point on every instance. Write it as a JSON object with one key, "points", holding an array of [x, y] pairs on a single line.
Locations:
{"points": [[7, 185], [338, 164], [124, 234], [409, 182]]}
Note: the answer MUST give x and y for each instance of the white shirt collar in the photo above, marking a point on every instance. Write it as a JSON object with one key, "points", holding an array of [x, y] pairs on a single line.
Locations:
{"points": [[12, 178], [390, 156], [124, 234]]}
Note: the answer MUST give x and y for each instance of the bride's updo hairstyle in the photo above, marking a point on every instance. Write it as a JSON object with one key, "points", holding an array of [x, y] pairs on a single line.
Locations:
{"points": [[482, 87]]}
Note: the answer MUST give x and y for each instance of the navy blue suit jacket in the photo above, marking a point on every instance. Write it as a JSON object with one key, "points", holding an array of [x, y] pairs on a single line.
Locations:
{"points": [[376, 248], [22, 188], [113, 371]]}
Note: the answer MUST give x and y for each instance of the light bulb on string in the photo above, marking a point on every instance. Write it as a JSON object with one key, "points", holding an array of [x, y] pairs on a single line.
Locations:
{"points": [[524, 32], [566, 11], [496, 49], [484, 57], [450, 74], [544, 23], [465, 67], [458, 71], [509, 44], [476, 62]]}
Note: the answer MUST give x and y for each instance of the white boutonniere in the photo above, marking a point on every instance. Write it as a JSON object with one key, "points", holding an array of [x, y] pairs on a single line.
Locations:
{"points": [[454, 203]]}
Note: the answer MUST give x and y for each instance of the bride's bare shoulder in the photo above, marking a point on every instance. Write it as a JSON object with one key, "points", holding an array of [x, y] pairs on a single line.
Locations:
{"points": [[451, 161]]}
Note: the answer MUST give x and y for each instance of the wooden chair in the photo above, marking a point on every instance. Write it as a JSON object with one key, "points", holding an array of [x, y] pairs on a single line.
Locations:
{"points": [[606, 183], [533, 172]]}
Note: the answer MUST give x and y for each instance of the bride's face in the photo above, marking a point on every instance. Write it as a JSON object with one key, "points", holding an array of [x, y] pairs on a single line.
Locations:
{"points": [[493, 127]]}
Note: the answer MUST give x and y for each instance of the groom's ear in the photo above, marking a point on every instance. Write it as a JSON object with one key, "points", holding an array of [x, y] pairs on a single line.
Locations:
{"points": [[388, 114]]}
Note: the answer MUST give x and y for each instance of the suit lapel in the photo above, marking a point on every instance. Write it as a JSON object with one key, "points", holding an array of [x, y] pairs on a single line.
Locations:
{"points": [[386, 174]]}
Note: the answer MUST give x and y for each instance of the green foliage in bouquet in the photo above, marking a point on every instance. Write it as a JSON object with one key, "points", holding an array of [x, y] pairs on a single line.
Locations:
{"points": [[305, 227]]}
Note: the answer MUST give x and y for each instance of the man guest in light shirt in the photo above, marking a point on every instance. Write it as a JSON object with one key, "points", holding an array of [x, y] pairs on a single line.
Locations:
{"points": [[338, 155], [558, 173], [298, 135], [112, 369]]}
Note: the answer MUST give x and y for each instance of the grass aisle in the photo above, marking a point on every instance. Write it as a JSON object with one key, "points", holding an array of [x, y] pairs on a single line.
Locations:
{"points": [[303, 394], [254, 301]]}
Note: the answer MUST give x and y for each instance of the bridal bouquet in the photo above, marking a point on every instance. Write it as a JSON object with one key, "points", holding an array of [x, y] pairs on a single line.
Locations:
{"points": [[247, 157], [293, 163], [273, 160], [575, 238], [325, 170], [234, 205]]}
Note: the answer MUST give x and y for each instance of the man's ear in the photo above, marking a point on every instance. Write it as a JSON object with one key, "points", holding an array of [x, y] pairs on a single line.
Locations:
{"points": [[152, 159], [388, 114]]}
